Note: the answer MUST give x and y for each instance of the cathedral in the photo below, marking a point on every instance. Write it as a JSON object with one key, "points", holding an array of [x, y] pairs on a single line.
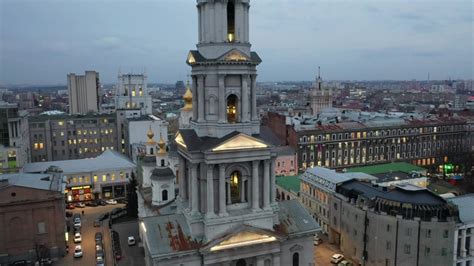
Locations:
{"points": [[226, 210]]}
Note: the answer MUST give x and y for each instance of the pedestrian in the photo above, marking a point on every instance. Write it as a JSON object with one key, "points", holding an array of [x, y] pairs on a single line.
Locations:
{"points": [[82, 213]]}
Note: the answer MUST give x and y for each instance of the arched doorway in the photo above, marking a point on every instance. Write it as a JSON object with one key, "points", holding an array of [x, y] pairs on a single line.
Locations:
{"points": [[296, 259], [232, 116]]}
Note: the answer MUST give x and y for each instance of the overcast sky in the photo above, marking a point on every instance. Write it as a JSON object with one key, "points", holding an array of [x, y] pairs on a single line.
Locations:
{"points": [[43, 40]]}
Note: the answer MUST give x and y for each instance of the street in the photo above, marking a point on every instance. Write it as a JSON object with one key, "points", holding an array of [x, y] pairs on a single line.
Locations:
{"points": [[88, 237], [324, 251]]}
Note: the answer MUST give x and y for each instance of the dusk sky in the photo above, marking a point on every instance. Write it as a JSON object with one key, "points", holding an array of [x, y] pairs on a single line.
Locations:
{"points": [[43, 40]]}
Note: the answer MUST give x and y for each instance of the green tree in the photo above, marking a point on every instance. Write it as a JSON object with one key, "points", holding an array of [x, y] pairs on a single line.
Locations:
{"points": [[132, 199]]}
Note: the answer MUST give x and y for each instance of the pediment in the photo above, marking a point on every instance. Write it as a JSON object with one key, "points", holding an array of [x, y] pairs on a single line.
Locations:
{"points": [[240, 142], [243, 238], [234, 55], [180, 141]]}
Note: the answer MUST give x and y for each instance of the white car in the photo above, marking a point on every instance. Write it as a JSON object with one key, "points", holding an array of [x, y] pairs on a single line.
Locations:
{"points": [[100, 261], [111, 201], [78, 251], [336, 258], [131, 240], [77, 237]]}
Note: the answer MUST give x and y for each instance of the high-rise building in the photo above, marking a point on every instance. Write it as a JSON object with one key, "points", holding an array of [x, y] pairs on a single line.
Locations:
{"points": [[227, 211], [320, 97], [83, 92], [132, 93], [14, 141]]}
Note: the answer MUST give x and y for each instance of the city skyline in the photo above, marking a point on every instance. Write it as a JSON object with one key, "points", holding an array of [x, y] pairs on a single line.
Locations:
{"points": [[43, 41]]}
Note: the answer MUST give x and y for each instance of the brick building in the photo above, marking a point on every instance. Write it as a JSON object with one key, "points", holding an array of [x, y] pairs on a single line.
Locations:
{"points": [[32, 222]]}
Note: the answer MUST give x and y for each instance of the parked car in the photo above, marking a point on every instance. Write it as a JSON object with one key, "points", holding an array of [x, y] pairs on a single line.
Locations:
{"points": [[131, 241], [317, 240], [111, 201], [101, 202], [103, 216], [80, 205], [100, 261], [69, 214], [77, 237], [92, 204], [77, 223], [99, 252], [336, 258], [122, 201], [345, 263], [78, 251], [70, 206], [98, 237]]}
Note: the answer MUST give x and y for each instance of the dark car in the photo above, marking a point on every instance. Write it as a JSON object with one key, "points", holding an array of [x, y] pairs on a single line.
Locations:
{"points": [[122, 201], [101, 202], [68, 214], [92, 204], [98, 236], [70, 206], [97, 222], [103, 216]]}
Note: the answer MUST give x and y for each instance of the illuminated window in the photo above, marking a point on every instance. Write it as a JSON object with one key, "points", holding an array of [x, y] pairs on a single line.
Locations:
{"points": [[235, 187], [62, 134], [79, 132], [41, 146], [88, 179], [36, 146], [75, 179], [113, 177], [133, 92], [140, 91], [232, 108], [230, 22], [61, 123], [104, 178], [95, 178], [81, 179], [122, 175]]}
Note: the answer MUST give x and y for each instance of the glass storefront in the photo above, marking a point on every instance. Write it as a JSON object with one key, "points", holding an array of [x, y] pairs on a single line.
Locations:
{"points": [[82, 193]]}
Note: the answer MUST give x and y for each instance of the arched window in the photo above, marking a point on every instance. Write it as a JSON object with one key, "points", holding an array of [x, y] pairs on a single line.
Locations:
{"points": [[296, 259], [235, 186], [164, 195], [151, 151], [232, 108], [230, 21], [162, 162], [241, 262]]}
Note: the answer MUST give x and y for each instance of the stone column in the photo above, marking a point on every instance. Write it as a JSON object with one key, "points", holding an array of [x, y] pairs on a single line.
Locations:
{"points": [[210, 191], [266, 185], [189, 186], [194, 188], [276, 260], [273, 182], [254, 97], [229, 195], [224, 20], [194, 91], [260, 261], [245, 99], [200, 91], [181, 178], [222, 203], [199, 23], [222, 100], [255, 200], [242, 191], [212, 23]]}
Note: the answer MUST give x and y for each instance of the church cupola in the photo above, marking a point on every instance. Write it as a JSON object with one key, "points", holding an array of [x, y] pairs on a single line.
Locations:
{"points": [[161, 154], [150, 143], [188, 99]]}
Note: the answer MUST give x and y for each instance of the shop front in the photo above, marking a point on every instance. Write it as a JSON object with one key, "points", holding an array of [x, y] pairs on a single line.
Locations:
{"points": [[77, 194], [115, 191]]}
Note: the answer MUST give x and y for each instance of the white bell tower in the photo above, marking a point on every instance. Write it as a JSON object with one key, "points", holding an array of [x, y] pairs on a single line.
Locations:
{"points": [[224, 74]]}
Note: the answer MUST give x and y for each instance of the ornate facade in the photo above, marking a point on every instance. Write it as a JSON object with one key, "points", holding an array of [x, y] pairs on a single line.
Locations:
{"points": [[227, 213]]}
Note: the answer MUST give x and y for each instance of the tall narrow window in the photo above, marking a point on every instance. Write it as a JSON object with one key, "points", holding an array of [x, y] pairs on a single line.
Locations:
{"points": [[232, 108], [230, 22], [235, 186], [296, 259], [164, 195]]}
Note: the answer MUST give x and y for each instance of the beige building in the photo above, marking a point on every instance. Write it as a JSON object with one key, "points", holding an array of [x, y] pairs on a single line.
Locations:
{"points": [[66, 137], [32, 222], [83, 92], [404, 225]]}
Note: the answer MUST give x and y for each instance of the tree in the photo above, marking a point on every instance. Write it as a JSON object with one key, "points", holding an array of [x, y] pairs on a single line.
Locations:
{"points": [[132, 198]]}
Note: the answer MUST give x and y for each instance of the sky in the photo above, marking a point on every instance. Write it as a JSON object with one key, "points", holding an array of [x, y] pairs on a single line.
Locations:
{"points": [[43, 40]]}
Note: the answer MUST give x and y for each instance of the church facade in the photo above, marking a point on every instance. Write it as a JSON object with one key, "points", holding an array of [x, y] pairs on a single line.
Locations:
{"points": [[227, 213]]}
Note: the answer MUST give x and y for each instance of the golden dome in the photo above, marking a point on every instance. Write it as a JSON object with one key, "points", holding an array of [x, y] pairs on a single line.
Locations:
{"points": [[161, 146], [150, 136], [188, 99]]}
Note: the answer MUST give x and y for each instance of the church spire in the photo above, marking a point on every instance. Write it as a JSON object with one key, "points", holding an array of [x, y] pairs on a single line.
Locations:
{"points": [[319, 80]]}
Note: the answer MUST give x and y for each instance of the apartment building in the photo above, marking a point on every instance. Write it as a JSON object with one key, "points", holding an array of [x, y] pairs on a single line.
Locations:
{"points": [[83, 92], [464, 233], [65, 137]]}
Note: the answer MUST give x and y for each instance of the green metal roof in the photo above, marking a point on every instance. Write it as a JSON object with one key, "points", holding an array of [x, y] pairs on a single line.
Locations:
{"points": [[386, 168], [290, 183]]}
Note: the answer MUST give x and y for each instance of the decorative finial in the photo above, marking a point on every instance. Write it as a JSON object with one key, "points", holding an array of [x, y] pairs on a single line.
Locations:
{"points": [[150, 136], [188, 98], [162, 145]]}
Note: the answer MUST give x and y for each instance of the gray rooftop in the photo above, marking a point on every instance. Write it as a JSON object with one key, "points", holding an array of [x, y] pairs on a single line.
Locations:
{"points": [[108, 160], [465, 205], [294, 219], [327, 174], [48, 182]]}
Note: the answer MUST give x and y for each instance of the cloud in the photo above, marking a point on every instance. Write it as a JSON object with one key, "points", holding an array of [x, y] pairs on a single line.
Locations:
{"points": [[109, 42]]}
